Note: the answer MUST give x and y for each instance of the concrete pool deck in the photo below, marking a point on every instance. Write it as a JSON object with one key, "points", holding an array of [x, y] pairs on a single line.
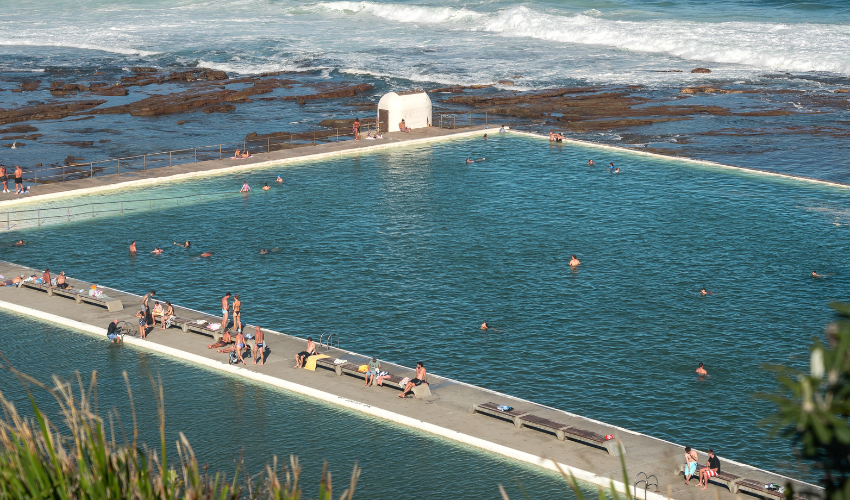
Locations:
{"points": [[445, 413]]}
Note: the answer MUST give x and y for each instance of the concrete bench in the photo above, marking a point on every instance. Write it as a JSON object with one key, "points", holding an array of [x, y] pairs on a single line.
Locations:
{"points": [[191, 325], [726, 478], [393, 381], [595, 439], [111, 304], [757, 488], [512, 415]]}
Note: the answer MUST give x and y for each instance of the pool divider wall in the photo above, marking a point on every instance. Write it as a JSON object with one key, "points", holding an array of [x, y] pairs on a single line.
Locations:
{"points": [[351, 404], [708, 163], [235, 168]]}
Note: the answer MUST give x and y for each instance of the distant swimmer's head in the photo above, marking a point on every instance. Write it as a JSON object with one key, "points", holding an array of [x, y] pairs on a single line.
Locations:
{"points": [[612, 164], [700, 365], [574, 256], [484, 326]]}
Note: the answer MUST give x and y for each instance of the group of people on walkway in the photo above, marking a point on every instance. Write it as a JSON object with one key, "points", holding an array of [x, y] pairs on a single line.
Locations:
{"points": [[19, 179], [711, 469], [239, 343]]}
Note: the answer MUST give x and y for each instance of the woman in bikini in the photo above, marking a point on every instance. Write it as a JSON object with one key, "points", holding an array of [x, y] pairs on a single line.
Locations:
{"points": [[237, 313], [142, 323], [356, 128], [166, 315], [237, 154]]}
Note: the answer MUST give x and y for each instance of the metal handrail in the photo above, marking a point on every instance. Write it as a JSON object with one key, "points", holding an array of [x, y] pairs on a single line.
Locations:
{"points": [[646, 483], [148, 161], [329, 344], [89, 210]]}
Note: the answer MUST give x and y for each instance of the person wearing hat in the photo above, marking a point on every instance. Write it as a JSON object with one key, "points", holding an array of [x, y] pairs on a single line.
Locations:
{"points": [[372, 372]]}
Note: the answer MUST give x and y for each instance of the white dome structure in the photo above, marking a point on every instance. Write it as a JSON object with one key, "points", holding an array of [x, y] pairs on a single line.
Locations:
{"points": [[412, 106]]}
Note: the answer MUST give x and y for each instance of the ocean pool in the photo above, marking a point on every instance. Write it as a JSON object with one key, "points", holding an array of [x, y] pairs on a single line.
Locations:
{"points": [[404, 252]]}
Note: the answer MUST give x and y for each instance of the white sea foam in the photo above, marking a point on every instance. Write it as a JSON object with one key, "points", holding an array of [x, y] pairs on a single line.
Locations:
{"points": [[404, 13], [249, 68], [41, 42]]}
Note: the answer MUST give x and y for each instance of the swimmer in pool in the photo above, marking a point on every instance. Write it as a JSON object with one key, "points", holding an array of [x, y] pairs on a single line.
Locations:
{"points": [[816, 275], [703, 292], [701, 371], [20, 243], [245, 188], [484, 326], [182, 245], [263, 251], [266, 187], [590, 163], [617, 170], [574, 262], [206, 254], [279, 179], [156, 251], [470, 160], [611, 166]]}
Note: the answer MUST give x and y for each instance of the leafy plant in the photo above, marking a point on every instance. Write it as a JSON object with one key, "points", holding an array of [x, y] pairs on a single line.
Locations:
{"points": [[37, 461]]}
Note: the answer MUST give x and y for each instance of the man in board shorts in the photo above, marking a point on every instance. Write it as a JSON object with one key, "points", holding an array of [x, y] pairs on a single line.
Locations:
{"points": [[421, 378], [19, 180], [3, 175], [712, 469]]}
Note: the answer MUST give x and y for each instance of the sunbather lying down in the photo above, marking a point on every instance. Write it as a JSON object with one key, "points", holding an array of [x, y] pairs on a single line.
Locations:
{"points": [[225, 339]]}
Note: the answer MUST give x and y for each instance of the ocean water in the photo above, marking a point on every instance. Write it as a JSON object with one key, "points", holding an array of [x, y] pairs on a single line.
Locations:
{"points": [[791, 54], [404, 252]]}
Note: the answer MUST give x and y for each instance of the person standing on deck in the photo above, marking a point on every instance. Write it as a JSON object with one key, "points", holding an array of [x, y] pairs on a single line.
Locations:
{"points": [[46, 278], [147, 308], [356, 127], [237, 313], [225, 308], [19, 180], [3, 175], [259, 346]]}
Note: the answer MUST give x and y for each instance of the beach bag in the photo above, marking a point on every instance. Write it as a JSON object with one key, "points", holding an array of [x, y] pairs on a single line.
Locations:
{"points": [[504, 408], [363, 368], [609, 437]]}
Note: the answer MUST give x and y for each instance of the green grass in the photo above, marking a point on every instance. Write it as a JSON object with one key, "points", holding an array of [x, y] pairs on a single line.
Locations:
{"points": [[37, 461]]}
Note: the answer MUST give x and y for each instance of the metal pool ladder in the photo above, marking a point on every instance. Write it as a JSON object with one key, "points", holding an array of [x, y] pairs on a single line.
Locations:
{"points": [[329, 342], [648, 480]]}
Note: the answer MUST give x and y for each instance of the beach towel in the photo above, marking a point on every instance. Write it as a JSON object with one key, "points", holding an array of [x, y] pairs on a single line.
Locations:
{"points": [[339, 361], [380, 378], [310, 364], [404, 381], [504, 408], [363, 368], [214, 326]]}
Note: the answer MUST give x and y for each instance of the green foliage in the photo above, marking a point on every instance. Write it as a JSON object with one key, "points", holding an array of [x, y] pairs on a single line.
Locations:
{"points": [[814, 407], [39, 462]]}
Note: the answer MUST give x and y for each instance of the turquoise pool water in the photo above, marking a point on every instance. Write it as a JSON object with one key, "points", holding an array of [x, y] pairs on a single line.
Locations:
{"points": [[404, 252]]}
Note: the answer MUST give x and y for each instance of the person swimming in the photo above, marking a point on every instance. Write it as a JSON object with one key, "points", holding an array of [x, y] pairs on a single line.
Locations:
{"points": [[156, 251], [279, 179], [266, 187], [617, 170], [263, 251], [183, 245], [470, 160], [207, 254], [701, 371], [574, 262], [245, 188], [485, 326], [590, 163], [21, 243], [816, 275], [611, 166], [702, 291]]}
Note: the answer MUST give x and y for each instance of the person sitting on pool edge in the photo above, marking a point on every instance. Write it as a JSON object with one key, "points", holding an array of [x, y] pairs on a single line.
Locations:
{"points": [[112, 332], [421, 378], [402, 126], [303, 355]]}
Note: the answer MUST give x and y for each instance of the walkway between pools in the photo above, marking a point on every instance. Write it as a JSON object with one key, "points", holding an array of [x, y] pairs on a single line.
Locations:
{"points": [[39, 192], [445, 413]]}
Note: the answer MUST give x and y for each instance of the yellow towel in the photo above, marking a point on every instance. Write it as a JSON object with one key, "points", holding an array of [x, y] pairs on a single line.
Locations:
{"points": [[363, 368], [310, 364]]}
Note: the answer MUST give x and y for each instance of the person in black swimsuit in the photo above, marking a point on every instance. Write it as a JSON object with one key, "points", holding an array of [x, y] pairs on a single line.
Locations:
{"points": [[19, 180]]}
